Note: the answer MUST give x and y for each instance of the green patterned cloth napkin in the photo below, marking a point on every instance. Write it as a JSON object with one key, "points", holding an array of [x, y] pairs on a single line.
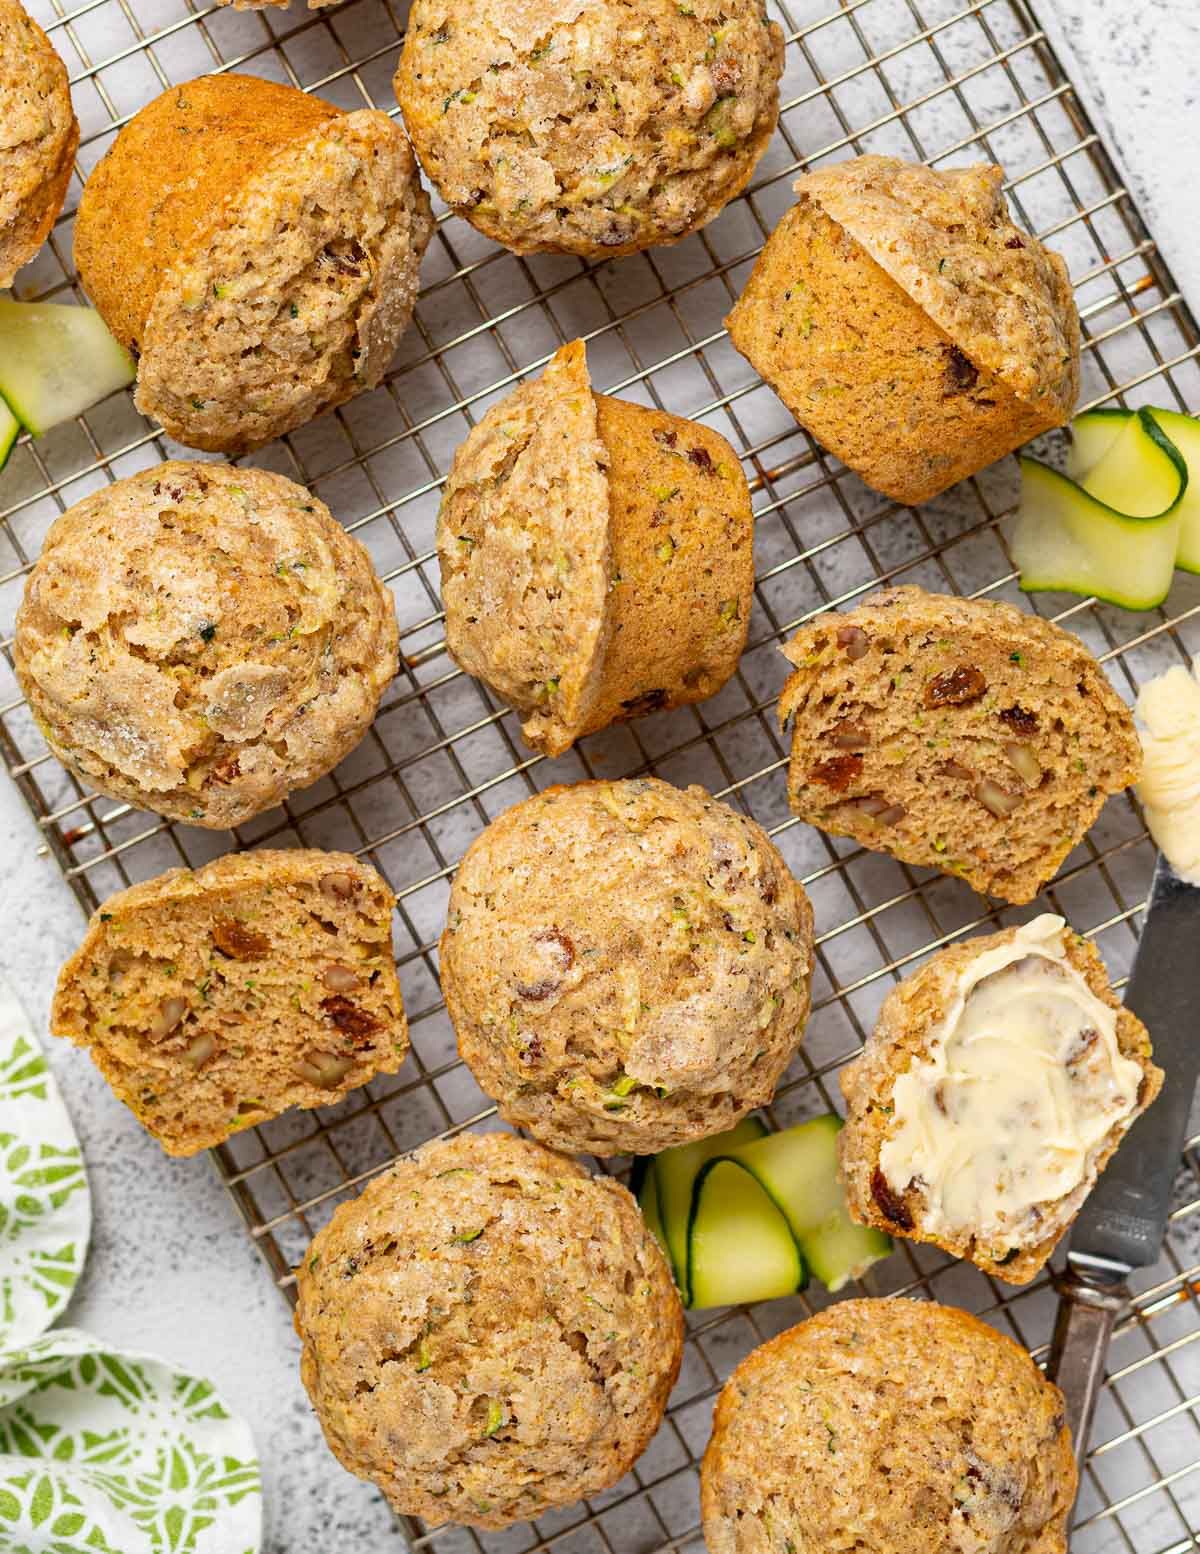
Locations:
{"points": [[100, 1452]]}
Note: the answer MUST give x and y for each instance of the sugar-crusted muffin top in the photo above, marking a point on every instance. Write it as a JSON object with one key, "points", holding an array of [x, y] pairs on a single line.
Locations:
{"points": [[627, 965], [589, 126], [200, 639], [893, 1427], [488, 1331]]}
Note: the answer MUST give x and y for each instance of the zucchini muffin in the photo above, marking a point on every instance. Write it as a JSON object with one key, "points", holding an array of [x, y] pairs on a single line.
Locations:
{"points": [[909, 325], [39, 135], [888, 1427], [212, 999], [995, 1087], [590, 127], [489, 1332], [961, 734], [257, 250], [626, 965], [201, 640], [597, 557]]}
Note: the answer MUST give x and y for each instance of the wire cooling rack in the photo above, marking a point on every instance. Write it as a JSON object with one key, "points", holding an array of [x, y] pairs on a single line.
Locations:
{"points": [[943, 80]]}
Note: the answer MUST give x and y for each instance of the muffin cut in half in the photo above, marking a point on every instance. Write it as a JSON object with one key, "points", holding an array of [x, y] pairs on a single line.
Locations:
{"points": [[215, 998], [257, 250], [39, 136], [909, 325], [994, 1089], [590, 127], [888, 1427], [489, 1332], [626, 964], [962, 734], [597, 557], [201, 640]]}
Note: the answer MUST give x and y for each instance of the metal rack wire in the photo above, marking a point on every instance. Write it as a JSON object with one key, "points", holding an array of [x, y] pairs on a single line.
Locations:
{"points": [[943, 80]]}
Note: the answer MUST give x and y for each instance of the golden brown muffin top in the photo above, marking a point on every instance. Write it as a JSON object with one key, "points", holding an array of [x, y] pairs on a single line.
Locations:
{"points": [[596, 127], [37, 128]]}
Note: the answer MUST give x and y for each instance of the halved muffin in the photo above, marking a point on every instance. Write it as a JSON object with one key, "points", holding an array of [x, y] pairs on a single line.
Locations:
{"points": [[906, 321], [962, 734], [215, 998], [257, 250], [995, 1087], [597, 557]]}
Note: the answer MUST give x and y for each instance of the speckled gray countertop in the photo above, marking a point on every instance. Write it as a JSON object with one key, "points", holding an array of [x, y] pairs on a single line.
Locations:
{"points": [[171, 1269]]}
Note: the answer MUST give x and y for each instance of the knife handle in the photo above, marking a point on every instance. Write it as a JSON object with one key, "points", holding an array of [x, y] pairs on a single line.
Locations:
{"points": [[1087, 1309]]}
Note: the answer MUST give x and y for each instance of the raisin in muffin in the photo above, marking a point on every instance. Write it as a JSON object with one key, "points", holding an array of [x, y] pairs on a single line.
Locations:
{"points": [[212, 999], [591, 127], [626, 964], [909, 325], [888, 1427], [38, 138], [962, 734], [597, 557], [994, 1089], [201, 640], [489, 1332], [257, 250]]}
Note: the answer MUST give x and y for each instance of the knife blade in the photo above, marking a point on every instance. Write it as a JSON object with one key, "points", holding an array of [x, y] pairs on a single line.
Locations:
{"points": [[1121, 1224]]}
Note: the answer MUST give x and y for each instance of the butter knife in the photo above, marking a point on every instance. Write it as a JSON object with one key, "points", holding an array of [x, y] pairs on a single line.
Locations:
{"points": [[1122, 1222]]}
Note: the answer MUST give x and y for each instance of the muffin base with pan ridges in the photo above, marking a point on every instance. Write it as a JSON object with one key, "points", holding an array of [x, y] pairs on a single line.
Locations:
{"points": [[909, 324]]}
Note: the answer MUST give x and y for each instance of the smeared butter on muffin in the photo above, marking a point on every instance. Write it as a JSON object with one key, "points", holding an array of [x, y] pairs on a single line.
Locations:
{"points": [[1168, 709], [1020, 1087]]}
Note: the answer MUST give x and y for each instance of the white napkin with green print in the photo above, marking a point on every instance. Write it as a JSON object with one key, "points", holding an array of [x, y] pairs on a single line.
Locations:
{"points": [[100, 1452]]}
